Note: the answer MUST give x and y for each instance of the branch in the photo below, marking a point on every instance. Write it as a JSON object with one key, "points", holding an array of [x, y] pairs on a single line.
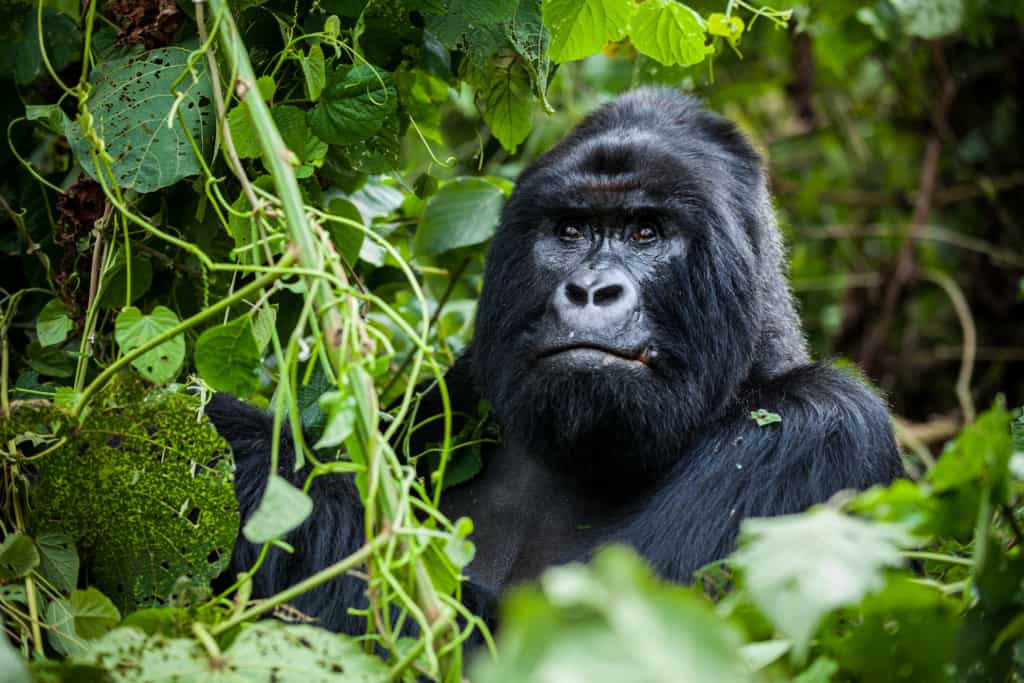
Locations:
{"points": [[922, 208]]}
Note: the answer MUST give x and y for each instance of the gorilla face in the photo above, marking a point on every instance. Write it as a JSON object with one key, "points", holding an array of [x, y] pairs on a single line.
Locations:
{"points": [[622, 302]]}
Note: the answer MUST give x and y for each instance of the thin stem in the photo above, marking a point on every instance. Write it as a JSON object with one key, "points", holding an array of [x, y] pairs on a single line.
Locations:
{"points": [[30, 583], [180, 328], [938, 557], [275, 155], [321, 577]]}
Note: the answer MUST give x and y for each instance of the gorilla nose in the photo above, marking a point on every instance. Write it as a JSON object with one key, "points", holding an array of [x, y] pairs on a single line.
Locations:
{"points": [[591, 297]]}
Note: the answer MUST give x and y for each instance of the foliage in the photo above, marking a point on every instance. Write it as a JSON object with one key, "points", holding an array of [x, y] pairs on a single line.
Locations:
{"points": [[292, 201]]}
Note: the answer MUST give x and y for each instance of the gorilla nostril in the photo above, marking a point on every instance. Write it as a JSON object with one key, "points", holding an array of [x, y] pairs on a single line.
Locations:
{"points": [[607, 295], [575, 294]]}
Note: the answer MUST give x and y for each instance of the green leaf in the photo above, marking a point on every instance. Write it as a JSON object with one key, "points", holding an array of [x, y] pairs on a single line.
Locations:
{"points": [[314, 72], [94, 613], [906, 631], [131, 101], [506, 102], [355, 104], [458, 548], [20, 53], [764, 417], [132, 329], [422, 95], [114, 285], [798, 568], [307, 399], [669, 32], [50, 115], [341, 418], [263, 325], [820, 671], [241, 228], [228, 358], [18, 556], [291, 122], [759, 655], [580, 28], [728, 27], [308, 148], [13, 593], [930, 18], [610, 622], [12, 663], [463, 212], [167, 621], [50, 360], [981, 451], [58, 559], [347, 239], [265, 651], [243, 135], [87, 615], [472, 25], [53, 323], [282, 508]]}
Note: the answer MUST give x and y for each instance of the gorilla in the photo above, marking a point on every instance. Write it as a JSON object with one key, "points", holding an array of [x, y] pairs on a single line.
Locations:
{"points": [[635, 312]]}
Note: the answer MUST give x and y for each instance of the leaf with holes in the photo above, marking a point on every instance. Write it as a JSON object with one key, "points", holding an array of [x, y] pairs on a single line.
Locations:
{"points": [[132, 329], [265, 651], [131, 101], [142, 489]]}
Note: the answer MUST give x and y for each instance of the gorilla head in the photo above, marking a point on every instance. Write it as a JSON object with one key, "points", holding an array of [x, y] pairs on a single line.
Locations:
{"points": [[635, 283]]}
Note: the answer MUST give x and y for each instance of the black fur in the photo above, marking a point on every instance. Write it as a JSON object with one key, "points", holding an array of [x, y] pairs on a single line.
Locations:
{"points": [[651, 444]]}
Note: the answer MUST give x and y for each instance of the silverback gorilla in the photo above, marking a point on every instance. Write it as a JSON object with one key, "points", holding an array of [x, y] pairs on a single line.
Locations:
{"points": [[635, 310]]}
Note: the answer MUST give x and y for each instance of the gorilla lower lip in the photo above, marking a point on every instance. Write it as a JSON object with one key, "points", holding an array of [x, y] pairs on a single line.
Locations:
{"points": [[597, 354]]}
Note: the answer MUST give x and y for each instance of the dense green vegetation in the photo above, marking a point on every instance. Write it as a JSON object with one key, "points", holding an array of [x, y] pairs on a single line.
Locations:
{"points": [[291, 202]]}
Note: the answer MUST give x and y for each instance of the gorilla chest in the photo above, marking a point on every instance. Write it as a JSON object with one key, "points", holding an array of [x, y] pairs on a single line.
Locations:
{"points": [[525, 518]]}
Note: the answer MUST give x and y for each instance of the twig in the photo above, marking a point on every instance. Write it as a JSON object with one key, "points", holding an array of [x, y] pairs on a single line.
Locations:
{"points": [[276, 156], [935, 430], [323, 576], [229, 143], [970, 341], [933, 233], [30, 583], [97, 254], [922, 208]]}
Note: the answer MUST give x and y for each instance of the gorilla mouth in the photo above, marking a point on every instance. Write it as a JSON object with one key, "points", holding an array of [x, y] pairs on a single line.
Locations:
{"points": [[598, 353]]}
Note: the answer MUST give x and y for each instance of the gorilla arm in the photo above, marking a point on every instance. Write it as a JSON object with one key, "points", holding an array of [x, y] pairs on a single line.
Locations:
{"points": [[835, 434], [333, 531]]}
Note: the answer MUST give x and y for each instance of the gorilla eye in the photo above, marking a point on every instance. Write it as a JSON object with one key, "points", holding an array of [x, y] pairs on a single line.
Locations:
{"points": [[643, 234], [569, 232]]}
